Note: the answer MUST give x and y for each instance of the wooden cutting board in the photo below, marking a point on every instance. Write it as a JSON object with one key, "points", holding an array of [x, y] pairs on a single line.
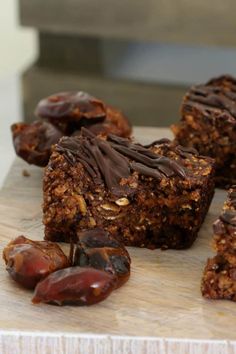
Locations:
{"points": [[160, 309]]}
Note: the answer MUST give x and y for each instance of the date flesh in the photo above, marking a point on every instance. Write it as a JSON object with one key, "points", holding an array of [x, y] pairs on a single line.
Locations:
{"points": [[32, 142], [115, 123], [74, 286], [99, 250], [28, 262]]}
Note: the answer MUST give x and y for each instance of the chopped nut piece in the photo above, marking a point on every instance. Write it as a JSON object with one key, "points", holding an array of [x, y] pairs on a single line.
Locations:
{"points": [[110, 206], [82, 204], [122, 201]]}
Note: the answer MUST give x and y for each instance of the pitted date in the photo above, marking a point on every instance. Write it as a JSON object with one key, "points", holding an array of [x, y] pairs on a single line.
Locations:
{"points": [[74, 286], [28, 262], [99, 250], [32, 142], [66, 107], [115, 123]]}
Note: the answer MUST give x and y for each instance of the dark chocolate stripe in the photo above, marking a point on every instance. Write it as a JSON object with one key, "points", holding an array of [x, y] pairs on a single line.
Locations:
{"points": [[222, 81], [74, 151], [113, 160], [167, 166], [214, 97], [146, 171], [143, 149], [185, 151], [158, 142], [229, 217], [119, 140]]}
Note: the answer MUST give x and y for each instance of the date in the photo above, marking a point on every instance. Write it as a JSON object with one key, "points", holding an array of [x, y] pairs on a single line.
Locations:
{"points": [[28, 262], [99, 250], [74, 286], [115, 123], [67, 107], [32, 142]]}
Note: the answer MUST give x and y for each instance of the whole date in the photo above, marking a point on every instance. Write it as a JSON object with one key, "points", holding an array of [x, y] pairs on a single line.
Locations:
{"points": [[28, 262], [98, 249], [74, 286], [32, 142]]}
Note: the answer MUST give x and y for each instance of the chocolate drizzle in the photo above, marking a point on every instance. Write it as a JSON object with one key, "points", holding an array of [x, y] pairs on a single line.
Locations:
{"points": [[158, 142], [149, 162], [219, 94], [112, 160], [229, 217], [186, 151]]}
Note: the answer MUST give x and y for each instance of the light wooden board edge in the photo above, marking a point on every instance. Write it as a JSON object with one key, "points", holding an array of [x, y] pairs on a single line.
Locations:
{"points": [[16, 342]]}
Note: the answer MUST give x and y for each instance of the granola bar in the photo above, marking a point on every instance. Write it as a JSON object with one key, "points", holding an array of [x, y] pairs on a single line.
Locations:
{"points": [[209, 124], [147, 196]]}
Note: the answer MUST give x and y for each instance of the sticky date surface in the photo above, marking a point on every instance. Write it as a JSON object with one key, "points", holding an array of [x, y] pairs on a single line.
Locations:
{"points": [[99, 250], [32, 142], [27, 262], [115, 123], [70, 106], [75, 286]]}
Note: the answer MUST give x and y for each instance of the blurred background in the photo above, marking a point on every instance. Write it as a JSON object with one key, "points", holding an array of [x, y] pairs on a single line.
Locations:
{"points": [[138, 55]]}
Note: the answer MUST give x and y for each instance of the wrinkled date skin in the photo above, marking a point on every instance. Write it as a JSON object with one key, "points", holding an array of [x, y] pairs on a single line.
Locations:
{"points": [[115, 123], [74, 286], [64, 114], [66, 107], [30, 261], [32, 142], [99, 250]]}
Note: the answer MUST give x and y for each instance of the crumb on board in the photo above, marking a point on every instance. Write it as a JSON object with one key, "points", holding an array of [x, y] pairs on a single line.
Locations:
{"points": [[25, 173]]}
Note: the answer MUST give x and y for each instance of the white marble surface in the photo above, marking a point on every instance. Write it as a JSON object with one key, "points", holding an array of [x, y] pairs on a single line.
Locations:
{"points": [[10, 112]]}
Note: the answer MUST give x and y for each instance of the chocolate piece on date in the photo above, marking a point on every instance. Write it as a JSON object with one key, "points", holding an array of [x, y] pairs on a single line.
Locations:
{"points": [[97, 249], [29, 261], [70, 106], [75, 286], [32, 142]]}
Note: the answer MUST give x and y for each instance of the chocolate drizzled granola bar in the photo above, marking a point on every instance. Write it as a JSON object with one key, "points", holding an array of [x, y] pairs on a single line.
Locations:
{"points": [[219, 277], [147, 196], [209, 124]]}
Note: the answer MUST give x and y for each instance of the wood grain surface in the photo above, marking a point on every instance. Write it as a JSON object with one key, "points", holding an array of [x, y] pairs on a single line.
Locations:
{"points": [[160, 310]]}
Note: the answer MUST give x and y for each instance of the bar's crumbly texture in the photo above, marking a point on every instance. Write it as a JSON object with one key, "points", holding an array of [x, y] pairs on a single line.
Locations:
{"points": [[147, 196], [209, 124], [219, 277], [219, 280], [64, 114]]}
